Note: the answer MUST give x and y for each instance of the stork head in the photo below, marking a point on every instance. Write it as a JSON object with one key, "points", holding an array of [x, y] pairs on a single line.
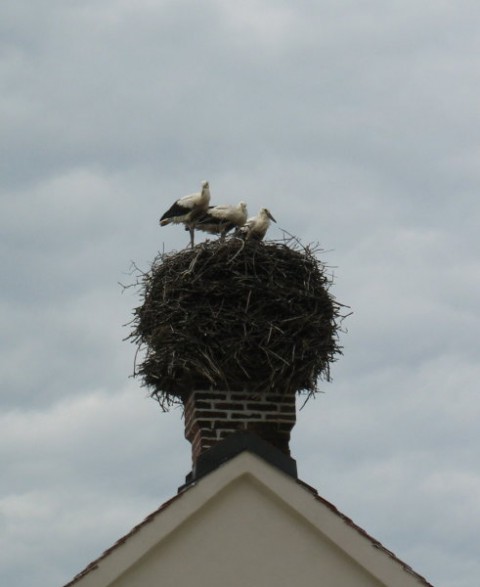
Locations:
{"points": [[243, 207], [205, 194], [267, 213]]}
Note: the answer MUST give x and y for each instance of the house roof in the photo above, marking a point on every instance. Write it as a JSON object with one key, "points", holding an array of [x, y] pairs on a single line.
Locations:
{"points": [[150, 518], [374, 542], [368, 552]]}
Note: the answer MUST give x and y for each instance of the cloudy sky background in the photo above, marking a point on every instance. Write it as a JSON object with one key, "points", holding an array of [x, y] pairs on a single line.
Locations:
{"points": [[357, 124]]}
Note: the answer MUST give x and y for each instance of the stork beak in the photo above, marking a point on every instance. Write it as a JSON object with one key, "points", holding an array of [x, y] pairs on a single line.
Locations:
{"points": [[270, 216]]}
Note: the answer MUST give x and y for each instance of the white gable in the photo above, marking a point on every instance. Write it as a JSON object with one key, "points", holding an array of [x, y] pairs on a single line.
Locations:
{"points": [[247, 523]]}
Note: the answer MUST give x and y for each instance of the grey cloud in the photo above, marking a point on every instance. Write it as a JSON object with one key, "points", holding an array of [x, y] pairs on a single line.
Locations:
{"points": [[357, 128]]}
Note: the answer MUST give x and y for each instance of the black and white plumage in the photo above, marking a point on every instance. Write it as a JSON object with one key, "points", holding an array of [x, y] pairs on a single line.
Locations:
{"points": [[255, 228], [222, 219], [187, 209]]}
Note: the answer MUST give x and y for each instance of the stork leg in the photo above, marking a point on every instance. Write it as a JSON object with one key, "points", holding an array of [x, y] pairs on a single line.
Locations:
{"points": [[191, 230]]}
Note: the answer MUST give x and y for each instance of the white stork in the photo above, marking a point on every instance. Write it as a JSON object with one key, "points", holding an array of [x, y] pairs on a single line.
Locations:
{"points": [[222, 219], [187, 209], [255, 228]]}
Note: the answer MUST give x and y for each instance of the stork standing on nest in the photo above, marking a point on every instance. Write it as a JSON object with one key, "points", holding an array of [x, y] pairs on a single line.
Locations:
{"points": [[255, 228], [222, 219], [188, 209]]}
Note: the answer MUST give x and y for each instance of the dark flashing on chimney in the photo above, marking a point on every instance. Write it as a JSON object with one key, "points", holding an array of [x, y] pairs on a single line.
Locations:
{"points": [[232, 446]]}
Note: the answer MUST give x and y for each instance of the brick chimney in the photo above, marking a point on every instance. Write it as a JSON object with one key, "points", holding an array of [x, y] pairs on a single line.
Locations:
{"points": [[213, 416]]}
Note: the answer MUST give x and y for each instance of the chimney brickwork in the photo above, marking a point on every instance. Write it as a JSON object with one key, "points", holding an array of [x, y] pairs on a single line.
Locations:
{"points": [[211, 416]]}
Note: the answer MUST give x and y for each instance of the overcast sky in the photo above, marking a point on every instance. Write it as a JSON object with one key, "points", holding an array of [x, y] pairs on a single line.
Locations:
{"points": [[357, 124]]}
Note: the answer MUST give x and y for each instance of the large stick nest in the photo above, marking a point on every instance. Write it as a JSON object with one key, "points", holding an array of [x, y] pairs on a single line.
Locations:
{"points": [[239, 315]]}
